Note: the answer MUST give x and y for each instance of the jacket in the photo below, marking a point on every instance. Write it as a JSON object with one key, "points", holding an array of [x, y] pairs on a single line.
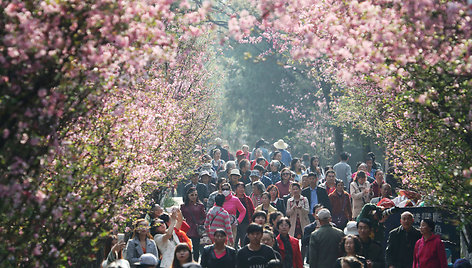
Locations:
{"points": [[340, 204], [209, 259], [430, 253], [359, 197], [233, 205], [218, 218], [194, 216], [322, 197], [297, 255], [324, 246], [134, 250], [401, 246], [293, 213]]}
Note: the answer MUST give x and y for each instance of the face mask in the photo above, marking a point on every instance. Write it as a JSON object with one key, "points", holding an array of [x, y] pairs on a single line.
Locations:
{"points": [[226, 193]]}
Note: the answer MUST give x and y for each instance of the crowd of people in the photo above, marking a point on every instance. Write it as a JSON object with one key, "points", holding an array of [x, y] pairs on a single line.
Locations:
{"points": [[268, 209]]}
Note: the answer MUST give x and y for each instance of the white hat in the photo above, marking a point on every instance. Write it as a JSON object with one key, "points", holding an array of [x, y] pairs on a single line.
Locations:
{"points": [[204, 172], [324, 214], [280, 144], [351, 228], [120, 263], [235, 171], [147, 259]]}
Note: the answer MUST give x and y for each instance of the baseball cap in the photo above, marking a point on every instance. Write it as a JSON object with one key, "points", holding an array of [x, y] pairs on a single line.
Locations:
{"points": [[147, 259], [239, 153]]}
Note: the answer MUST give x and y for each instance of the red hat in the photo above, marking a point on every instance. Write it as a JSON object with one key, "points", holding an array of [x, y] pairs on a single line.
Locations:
{"points": [[239, 153]]}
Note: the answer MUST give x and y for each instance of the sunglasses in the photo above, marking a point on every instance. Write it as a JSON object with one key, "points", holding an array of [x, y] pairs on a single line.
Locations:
{"points": [[225, 189], [157, 224]]}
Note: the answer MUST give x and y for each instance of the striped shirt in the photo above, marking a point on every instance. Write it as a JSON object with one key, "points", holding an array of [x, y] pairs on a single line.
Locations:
{"points": [[218, 218]]}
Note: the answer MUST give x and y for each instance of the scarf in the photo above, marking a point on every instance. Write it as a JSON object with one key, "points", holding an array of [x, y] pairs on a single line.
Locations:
{"points": [[288, 260]]}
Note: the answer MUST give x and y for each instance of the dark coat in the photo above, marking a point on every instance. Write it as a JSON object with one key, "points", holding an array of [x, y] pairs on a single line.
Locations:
{"points": [[322, 197], [401, 246]]}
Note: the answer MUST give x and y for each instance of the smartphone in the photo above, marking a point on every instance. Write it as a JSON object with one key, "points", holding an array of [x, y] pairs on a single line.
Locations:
{"points": [[121, 237]]}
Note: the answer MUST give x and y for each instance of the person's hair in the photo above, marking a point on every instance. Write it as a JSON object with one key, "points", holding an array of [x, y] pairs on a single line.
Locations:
{"points": [[219, 231], [364, 221], [407, 213], [165, 217], [296, 184], [267, 194], [245, 146], [273, 216], [189, 191], [285, 169], [377, 171], [315, 157], [254, 228], [357, 244], [293, 163], [215, 151], [259, 159], [180, 247], [352, 262], [275, 153], [276, 163], [344, 156], [329, 167], [226, 184], [430, 224], [220, 181], [220, 200], [136, 223], [283, 219], [240, 183], [260, 186], [272, 186], [108, 245], [244, 163], [330, 171], [230, 165], [313, 174], [268, 230], [259, 214], [317, 206], [360, 174], [259, 167], [338, 182], [274, 263]]}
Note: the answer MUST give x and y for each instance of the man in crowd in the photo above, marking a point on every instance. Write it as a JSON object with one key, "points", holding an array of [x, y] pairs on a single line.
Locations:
{"points": [[286, 156], [244, 169], [401, 243], [254, 255], [385, 192], [202, 189], [324, 242], [315, 194], [224, 152], [371, 250], [234, 177], [263, 178], [343, 169]]}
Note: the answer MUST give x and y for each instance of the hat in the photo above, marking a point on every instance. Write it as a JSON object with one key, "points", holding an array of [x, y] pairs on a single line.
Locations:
{"points": [[280, 144], [254, 173], [239, 153], [205, 172], [351, 228], [218, 141], [235, 172], [120, 263], [147, 259], [324, 214]]}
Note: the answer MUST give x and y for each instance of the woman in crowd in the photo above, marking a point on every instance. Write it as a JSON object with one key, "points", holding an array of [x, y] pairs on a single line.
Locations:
{"points": [[429, 249], [340, 205], [288, 246], [275, 199], [297, 210], [217, 163], [360, 192], [194, 213], [113, 250], [350, 246], [211, 198], [274, 173], [284, 184], [274, 217], [277, 155], [268, 239], [233, 205], [295, 166], [167, 240], [182, 255], [256, 195], [315, 167], [265, 204], [141, 242], [218, 255]]}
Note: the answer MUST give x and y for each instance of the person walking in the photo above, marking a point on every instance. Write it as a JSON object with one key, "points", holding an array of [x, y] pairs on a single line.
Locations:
{"points": [[429, 249], [401, 243], [218, 255]]}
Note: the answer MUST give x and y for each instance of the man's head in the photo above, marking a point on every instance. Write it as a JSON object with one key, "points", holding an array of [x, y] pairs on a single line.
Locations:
{"points": [[261, 161], [258, 153], [240, 156], [239, 188], [324, 216], [406, 220], [244, 165], [277, 156], [235, 175], [386, 190], [313, 179], [230, 165], [362, 166], [194, 178], [219, 200], [379, 175], [316, 209], [255, 176], [369, 162], [205, 179], [339, 186], [254, 233], [344, 156], [274, 165], [364, 229], [330, 176], [245, 148]]}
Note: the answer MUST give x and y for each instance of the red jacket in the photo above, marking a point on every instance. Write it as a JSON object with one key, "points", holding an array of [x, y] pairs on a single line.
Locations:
{"points": [[297, 255], [430, 253], [249, 206]]}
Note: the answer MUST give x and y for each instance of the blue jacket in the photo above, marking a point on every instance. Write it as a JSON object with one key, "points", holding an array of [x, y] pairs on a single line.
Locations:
{"points": [[134, 250]]}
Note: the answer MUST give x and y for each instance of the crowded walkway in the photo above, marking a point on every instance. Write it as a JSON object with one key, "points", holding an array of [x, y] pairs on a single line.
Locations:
{"points": [[264, 208]]}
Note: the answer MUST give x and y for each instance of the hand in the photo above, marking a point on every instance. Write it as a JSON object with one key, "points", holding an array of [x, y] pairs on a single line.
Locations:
{"points": [[366, 190], [173, 216], [118, 246], [369, 263]]}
